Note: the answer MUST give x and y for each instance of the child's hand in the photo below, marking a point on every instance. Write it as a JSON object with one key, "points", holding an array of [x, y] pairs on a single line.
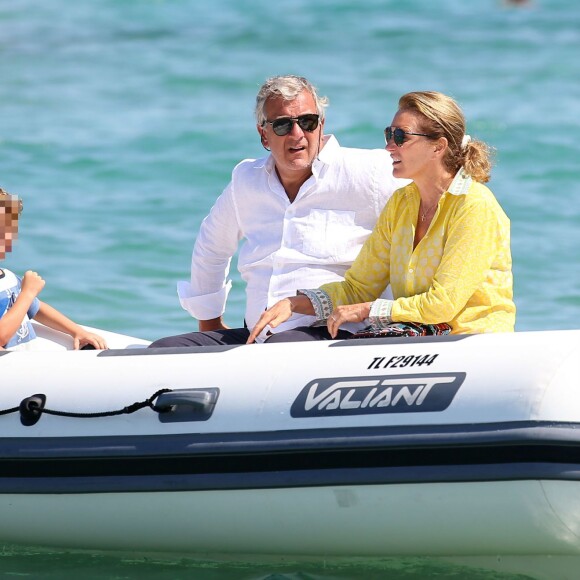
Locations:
{"points": [[83, 337], [32, 283]]}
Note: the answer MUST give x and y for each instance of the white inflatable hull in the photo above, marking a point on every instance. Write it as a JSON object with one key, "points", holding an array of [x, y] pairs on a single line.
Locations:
{"points": [[440, 519], [443, 446]]}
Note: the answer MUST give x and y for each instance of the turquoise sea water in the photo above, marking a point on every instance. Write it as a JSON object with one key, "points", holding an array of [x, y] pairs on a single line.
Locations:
{"points": [[120, 121]]}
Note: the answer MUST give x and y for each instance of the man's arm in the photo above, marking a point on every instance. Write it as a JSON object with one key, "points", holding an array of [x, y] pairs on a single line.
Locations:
{"points": [[212, 324], [204, 295]]}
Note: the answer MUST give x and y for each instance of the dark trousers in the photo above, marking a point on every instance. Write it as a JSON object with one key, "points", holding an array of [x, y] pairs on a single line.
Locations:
{"points": [[240, 336]]}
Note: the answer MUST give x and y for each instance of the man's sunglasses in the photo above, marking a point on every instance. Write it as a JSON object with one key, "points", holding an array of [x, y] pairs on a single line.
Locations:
{"points": [[399, 135], [284, 125]]}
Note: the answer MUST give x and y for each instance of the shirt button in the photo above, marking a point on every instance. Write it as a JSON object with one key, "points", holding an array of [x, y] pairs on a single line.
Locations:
{"points": [[410, 270]]}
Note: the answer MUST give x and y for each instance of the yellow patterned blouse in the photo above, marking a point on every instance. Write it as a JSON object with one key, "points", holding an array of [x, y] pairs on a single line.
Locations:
{"points": [[459, 273]]}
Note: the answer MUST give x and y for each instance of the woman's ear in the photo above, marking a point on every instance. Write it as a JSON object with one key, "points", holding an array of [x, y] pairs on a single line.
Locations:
{"points": [[441, 145]]}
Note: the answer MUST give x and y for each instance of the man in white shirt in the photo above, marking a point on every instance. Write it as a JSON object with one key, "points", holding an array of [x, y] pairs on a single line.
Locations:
{"points": [[303, 213]]}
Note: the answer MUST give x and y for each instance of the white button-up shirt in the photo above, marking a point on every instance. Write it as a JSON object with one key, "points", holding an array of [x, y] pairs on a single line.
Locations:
{"points": [[287, 246]]}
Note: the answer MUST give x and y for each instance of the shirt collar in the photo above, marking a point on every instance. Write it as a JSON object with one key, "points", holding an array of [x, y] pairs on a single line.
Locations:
{"points": [[460, 184], [326, 155], [329, 150]]}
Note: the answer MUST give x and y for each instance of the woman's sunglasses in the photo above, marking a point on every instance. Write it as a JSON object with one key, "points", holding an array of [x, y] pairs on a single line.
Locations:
{"points": [[283, 125], [399, 135]]}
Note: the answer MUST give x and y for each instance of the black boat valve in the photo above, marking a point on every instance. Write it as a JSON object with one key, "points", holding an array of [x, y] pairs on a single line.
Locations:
{"points": [[31, 409]]}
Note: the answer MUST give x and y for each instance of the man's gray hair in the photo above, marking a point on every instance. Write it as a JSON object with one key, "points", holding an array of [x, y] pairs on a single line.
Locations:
{"points": [[286, 87]]}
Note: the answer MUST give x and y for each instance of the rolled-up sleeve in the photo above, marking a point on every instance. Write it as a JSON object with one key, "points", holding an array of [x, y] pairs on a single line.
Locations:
{"points": [[206, 306]]}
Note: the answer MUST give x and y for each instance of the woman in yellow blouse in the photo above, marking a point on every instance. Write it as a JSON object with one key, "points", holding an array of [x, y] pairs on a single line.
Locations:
{"points": [[442, 242]]}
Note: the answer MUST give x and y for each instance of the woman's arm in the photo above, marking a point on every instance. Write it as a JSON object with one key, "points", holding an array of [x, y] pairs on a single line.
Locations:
{"points": [[370, 273]]}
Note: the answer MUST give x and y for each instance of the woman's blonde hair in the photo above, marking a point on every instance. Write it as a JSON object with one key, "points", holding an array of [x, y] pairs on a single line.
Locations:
{"points": [[441, 116]]}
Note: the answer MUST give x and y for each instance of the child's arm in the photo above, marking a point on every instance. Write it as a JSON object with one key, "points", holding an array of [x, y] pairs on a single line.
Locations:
{"points": [[31, 286], [51, 317]]}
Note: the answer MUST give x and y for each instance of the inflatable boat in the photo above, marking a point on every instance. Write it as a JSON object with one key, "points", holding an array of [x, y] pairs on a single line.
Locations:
{"points": [[448, 446]]}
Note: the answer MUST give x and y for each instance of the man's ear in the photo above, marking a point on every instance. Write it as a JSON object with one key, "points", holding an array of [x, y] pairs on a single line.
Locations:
{"points": [[263, 138]]}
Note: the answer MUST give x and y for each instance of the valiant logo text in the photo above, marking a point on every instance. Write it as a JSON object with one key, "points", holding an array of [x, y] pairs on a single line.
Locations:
{"points": [[418, 393]]}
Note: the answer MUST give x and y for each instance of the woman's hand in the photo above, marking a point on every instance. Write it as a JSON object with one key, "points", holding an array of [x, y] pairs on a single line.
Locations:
{"points": [[281, 312], [277, 314], [347, 313]]}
